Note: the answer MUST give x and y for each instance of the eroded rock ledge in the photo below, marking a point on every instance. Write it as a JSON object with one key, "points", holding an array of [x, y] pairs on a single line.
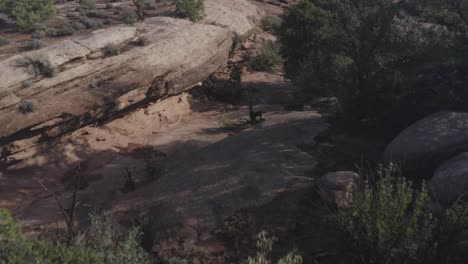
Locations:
{"points": [[89, 85]]}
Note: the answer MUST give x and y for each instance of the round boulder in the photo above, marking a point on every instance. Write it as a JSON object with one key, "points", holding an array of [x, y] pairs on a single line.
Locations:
{"points": [[430, 141], [450, 181]]}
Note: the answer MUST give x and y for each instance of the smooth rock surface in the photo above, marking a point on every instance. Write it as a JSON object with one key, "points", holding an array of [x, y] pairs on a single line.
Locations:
{"points": [[337, 186], [450, 181], [430, 141]]}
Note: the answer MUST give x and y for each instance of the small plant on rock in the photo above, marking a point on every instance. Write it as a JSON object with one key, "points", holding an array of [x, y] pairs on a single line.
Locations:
{"points": [[264, 248], [267, 58], [191, 9], [28, 106], [129, 16], [143, 41], [111, 50], [270, 23], [88, 4], [38, 63]]}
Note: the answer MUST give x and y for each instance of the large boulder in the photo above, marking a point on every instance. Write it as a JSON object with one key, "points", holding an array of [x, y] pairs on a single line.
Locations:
{"points": [[450, 181], [430, 141], [337, 186]]}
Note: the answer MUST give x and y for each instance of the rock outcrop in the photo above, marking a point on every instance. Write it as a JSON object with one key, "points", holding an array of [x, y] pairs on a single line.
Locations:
{"points": [[248, 169], [337, 187], [450, 181], [90, 85], [430, 141]]}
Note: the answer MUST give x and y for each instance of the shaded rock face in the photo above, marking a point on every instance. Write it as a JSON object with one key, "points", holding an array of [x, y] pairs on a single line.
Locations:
{"points": [[450, 181], [248, 169], [430, 141], [337, 186], [89, 85]]}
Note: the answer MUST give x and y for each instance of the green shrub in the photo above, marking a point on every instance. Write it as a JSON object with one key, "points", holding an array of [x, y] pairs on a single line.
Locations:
{"points": [[267, 58], [264, 247], [108, 21], [109, 5], [78, 25], [34, 44], [88, 4], [111, 49], [191, 9], [38, 63], [102, 14], [4, 41], [28, 106], [65, 30], [29, 12], [89, 23], [37, 34], [118, 248], [388, 223], [128, 15], [9, 229], [143, 41], [102, 243], [270, 23], [369, 53]]}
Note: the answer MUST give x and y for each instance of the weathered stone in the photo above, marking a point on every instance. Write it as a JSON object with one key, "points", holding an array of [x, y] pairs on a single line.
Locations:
{"points": [[430, 141], [100, 38], [8, 100], [337, 186], [180, 54], [450, 181], [239, 16]]}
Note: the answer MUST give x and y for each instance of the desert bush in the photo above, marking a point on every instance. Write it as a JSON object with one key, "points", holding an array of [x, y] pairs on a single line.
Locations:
{"points": [[34, 44], [28, 106], [65, 30], [109, 6], [4, 41], [270, 23], [191, 9], [264, 247], [267, 58], [368, 54], [28, 12], [143, 41], [128, 15], [88, 4], [388, 223], [227, 123], [38, 63], [9, 229], [102, 14], [103, 236], [111, 49], [26, 84], [108, 21], [78, 25], [101, 243], [89, 23]]}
